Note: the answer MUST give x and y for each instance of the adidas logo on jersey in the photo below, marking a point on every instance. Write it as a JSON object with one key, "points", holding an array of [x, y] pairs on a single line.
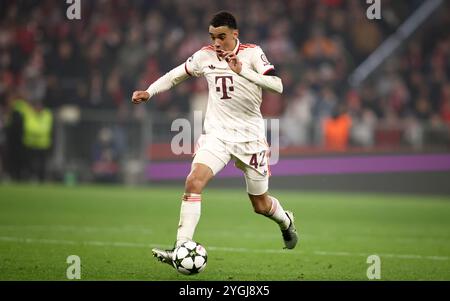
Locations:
{"points": [[212, 67]]}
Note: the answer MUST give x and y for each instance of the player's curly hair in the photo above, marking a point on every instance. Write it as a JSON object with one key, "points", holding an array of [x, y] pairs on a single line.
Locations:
{"points": [[224, 18]]}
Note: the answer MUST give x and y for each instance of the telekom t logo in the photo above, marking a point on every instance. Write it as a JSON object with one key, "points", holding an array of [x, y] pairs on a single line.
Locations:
{"points": [[224, 86]]}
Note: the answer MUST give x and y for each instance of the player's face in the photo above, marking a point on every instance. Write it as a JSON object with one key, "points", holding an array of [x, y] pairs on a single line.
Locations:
{"points": [[223, 37]]}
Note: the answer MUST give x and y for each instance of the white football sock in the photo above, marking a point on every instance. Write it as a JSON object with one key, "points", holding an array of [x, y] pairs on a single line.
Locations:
{"points": [[189, 217], [278, 215]]}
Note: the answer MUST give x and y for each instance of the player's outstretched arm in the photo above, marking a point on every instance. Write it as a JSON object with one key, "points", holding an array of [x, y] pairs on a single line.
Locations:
{"points": [[164, 83], [268, 82]]}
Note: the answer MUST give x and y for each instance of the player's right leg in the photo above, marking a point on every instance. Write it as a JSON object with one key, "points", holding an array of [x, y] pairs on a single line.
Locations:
{"points": [[209, 159], [190, 208], [191, 203]]}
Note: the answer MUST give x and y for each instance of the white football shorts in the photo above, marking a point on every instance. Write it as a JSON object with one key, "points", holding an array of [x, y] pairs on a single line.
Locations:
{"points": [[250, 157]]}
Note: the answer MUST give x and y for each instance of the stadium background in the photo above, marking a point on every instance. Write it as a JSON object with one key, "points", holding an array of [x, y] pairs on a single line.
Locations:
{"points": [[326, 52]]}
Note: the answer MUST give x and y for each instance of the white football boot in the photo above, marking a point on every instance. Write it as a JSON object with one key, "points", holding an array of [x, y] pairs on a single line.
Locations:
{"points": [[163, 255], [290, 236]]}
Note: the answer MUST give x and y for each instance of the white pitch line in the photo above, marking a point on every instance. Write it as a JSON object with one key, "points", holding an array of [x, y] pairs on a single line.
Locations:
{"points": [[72, 242], [227, 249], [400, 256], [77, 228]]}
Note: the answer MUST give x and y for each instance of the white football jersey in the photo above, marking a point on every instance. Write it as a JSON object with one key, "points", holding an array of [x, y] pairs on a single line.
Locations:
{"points": [[233, 113]]}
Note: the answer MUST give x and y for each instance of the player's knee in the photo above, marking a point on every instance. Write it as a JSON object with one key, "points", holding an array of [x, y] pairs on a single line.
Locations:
{"points": [[194, 184], [260, 210], [260, 206]]}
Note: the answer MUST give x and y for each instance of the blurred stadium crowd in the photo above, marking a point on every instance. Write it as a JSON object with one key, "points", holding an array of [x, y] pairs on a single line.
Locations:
{"points": [[119, 46]]}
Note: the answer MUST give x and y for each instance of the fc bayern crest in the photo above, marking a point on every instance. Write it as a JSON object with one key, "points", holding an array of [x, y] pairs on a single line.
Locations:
{"points": [[265, 60]]}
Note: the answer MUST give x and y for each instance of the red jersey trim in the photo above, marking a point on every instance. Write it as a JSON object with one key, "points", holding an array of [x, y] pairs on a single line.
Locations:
{"points": [[245, 46], [248, 45], [209, 47], [185, 69], [267, 71]]}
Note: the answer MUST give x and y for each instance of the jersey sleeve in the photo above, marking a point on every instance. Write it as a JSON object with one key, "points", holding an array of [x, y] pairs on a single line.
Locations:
{"points": [[260, 62], [192, 65]]}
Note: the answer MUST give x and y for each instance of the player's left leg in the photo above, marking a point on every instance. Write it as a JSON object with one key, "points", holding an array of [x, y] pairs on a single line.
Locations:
{"points": [[269, 206]]}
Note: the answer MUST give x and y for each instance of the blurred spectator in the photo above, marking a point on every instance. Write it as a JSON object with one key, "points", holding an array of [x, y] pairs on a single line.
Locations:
{"points": [[436, 133], [337, 130], [15, 156], [413, 132], [323, 108], [363, 129], [29, 139], [297, 118], [273, 105], [38, 137], [445, 103], [105, 157], [365, 36], [319, 47]]}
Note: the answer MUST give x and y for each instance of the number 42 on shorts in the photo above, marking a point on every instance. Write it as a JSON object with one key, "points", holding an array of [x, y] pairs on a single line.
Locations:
{"points": [[258, 163]]}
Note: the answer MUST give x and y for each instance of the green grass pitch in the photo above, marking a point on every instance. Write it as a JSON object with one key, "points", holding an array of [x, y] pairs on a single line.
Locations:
{"points": [[112, 230]]}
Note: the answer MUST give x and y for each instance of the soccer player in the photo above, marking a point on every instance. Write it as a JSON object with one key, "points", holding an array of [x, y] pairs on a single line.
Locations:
{"points": [[234, 127]]}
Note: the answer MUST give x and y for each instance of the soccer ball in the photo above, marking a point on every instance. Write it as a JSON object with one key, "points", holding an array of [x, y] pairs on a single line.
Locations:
{"points": [[189, 258]]}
